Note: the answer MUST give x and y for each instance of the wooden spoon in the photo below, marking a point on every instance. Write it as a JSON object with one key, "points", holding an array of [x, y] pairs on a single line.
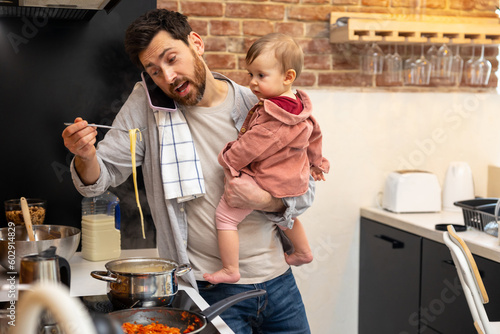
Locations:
{"points": [[27, 218]]}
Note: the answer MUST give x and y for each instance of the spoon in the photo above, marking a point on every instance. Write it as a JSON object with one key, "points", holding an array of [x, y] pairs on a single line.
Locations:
{"points": [[27, 218], [106, 127]]}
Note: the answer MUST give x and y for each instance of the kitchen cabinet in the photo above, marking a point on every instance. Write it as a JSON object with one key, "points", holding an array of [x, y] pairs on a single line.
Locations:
{"points": [[388, 280], [443, 304], [409, 284]]}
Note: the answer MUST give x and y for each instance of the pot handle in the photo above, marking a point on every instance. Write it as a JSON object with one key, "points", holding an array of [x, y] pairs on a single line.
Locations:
{"points": [[182, 269], [224, 304], [103, 276]]}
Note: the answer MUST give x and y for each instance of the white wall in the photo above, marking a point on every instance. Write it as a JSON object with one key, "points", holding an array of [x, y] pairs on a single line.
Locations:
{"points": [[366, 136]]}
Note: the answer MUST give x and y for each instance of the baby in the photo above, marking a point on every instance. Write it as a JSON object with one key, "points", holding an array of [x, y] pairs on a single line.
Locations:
{"points": [[279, 145]]}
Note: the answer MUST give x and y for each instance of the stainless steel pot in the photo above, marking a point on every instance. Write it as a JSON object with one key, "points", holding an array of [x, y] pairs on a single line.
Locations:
{"points": [[141, 282]]}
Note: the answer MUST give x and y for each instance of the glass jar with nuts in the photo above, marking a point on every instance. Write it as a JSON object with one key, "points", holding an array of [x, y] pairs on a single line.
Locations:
{"points": [[36, 208]]}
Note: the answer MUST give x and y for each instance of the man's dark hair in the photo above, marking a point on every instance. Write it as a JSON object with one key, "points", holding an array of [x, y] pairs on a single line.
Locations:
{"points": [[140, 33]]}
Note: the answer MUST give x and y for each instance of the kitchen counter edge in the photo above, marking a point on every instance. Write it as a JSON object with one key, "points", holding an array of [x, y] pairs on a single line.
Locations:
{"points": [[423, 224]]}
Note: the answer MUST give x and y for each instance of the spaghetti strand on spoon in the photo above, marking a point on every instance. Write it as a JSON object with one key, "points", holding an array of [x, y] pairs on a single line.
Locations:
{"points": [[133, 138]]}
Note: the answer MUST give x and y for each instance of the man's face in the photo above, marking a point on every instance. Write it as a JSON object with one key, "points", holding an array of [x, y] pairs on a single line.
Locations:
{"points": [[176, 68]]}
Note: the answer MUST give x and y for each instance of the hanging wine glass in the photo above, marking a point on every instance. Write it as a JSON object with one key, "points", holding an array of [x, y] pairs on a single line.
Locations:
{"points": [[393, 67], [431, 53], [362, 58], [480, 70], [372, 60], [388, 56], [409, 67], [457, 65], [441, 67], [396, 70], [386, 80], [467, 67], [423, 70]]}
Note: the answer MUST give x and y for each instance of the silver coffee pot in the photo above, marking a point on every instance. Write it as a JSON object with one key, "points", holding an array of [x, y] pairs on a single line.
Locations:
{"points": [[45, 267]]}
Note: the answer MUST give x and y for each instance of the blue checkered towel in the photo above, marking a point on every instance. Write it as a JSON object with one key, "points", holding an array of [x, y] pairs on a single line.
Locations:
{"points": [[180, 164]]}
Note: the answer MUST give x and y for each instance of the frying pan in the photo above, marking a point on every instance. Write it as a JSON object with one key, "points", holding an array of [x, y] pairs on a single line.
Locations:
{"points": [[179, 318]]}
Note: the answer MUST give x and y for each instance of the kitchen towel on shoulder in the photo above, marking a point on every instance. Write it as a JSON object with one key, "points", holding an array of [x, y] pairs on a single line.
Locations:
{"points": [[180, 164]]}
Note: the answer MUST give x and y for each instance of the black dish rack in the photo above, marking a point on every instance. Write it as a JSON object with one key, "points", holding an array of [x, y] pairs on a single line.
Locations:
{"points": [[478, 212]]}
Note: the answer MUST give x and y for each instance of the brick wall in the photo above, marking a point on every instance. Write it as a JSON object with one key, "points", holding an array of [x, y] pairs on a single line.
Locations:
{"points": [[229, 27]]}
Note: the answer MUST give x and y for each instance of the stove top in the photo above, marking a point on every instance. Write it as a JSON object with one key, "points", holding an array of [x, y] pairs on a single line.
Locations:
{"points": [[101, 304]]}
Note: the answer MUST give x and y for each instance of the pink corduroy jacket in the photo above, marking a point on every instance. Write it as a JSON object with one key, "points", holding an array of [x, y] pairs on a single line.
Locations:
{"points": [[277, 148]]}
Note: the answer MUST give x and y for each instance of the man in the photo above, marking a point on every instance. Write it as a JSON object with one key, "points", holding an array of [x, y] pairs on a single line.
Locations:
{"points": [[213, 109]]}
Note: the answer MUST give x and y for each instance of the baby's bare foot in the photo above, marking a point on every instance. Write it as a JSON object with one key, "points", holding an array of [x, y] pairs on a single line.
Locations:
{"points": [[297, 258], [223, 276]]}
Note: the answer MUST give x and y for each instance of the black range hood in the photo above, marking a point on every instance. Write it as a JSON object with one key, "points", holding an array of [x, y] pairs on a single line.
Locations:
{"points": [[55, 9]]}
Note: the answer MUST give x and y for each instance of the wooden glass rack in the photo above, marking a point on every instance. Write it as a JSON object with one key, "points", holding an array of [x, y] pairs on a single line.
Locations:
{"points": [[404, 29]]}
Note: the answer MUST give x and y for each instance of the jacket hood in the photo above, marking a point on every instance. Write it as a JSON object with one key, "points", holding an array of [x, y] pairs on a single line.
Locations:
{"points": [[286, 117]]}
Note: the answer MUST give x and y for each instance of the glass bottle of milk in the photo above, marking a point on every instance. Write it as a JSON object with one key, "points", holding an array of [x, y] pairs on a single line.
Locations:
{"points": [[101, 227]]}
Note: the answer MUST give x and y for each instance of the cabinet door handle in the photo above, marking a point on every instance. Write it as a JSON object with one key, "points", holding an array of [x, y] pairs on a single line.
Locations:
{"points": [[450, 262], [395, 243]]}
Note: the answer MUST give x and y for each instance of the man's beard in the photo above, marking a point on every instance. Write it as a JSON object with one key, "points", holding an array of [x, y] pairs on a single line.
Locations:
{"points": [[197, 87]]}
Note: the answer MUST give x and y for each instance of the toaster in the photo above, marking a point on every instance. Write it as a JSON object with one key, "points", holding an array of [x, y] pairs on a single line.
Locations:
{"points": [[412, 191]]}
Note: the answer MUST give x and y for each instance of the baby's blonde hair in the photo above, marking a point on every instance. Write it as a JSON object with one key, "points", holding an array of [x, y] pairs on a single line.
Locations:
{"points": [[286, 51]]}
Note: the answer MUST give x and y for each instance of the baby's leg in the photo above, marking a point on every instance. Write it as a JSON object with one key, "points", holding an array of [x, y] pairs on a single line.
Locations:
{"points": [[227, 220], [302, 253], [229, 254]]}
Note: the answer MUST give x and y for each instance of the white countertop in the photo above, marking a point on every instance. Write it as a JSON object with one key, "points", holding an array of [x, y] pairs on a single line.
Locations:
{"points": [[423, 224], [82, 284]]}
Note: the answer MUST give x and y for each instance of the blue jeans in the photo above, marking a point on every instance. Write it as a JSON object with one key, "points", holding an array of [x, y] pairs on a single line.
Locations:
{"points": [[281, 310]]}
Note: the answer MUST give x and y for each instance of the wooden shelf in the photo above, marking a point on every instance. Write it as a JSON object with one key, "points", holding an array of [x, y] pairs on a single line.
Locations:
{"points": [[404, 29]]}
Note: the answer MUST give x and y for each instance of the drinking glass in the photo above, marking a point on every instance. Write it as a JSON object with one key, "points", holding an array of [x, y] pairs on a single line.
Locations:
{"points": [[410, 69], [396, 70], [372, 61], [393, 68], [480, 70], [388, 56], [457, 65], [423, 70], [441, 67], [467, 67], [386, 80], [431, 53], [362, 58]]}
